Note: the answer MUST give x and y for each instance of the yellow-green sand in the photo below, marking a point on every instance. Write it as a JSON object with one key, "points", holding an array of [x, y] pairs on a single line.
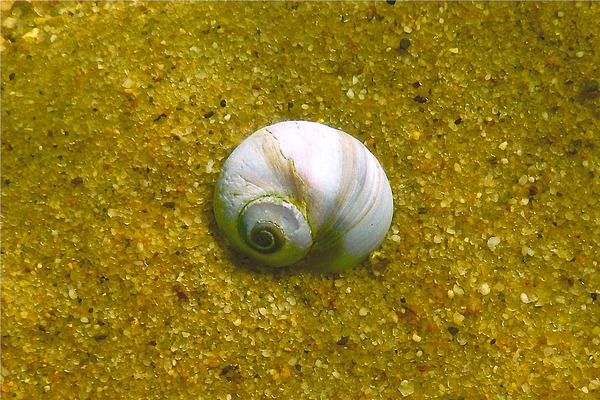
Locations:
{"points": [[116, 118]]}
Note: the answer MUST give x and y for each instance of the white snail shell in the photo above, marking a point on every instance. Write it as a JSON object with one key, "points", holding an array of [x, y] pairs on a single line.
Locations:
{"points": [[300, 190]]}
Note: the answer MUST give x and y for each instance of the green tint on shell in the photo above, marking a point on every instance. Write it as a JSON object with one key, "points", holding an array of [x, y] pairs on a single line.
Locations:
{"points": [[269, 228], [265, 237]]}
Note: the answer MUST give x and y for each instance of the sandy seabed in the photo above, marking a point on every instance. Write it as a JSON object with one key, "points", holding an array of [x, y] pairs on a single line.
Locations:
{"points": [[116, 118]]}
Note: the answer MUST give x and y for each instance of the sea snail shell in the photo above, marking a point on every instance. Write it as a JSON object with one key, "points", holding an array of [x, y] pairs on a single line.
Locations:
{"points": [[300, 190]]}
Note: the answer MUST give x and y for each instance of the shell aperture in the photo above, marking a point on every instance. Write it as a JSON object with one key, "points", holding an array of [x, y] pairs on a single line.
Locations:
{"points": [[302, 192]]}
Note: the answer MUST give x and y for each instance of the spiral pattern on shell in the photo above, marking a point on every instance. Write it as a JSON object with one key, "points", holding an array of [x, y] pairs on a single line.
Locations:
{"points": [[303, 192]]}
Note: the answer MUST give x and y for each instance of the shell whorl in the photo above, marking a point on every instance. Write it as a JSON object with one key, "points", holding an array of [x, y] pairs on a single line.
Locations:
{"points": [[275, 230], [301, 190]]}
